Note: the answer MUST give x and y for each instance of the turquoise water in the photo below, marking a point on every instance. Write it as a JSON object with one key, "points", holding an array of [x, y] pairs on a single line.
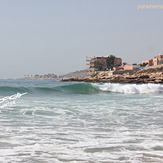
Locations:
{"points": [[80, 122]]}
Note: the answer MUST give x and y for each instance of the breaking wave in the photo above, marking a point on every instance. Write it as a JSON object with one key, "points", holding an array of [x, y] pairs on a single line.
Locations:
{"points": [[86, 88], [129, 88]]}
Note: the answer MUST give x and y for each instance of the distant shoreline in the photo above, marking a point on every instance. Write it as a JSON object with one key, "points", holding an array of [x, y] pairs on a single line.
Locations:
{"points": [[33, 78], [76, 74]]}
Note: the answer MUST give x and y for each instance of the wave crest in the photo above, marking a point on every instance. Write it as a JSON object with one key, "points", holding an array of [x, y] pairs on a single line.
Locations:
{"points": [[129, 88]]}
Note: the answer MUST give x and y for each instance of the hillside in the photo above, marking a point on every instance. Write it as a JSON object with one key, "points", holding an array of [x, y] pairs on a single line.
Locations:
{"points": [[76, 74]]}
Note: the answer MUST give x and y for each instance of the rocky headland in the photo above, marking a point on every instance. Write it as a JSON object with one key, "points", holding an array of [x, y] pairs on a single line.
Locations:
{"points": [[153, 74]]}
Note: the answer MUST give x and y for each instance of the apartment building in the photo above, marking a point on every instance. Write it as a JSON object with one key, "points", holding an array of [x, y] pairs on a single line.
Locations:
{"points": [[155, 61], [96, 63], [100, 63], [148, 62], [158, 60]]}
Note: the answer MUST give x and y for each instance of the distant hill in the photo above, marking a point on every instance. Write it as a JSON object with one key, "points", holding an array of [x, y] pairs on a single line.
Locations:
{"points": [[76, 74]]}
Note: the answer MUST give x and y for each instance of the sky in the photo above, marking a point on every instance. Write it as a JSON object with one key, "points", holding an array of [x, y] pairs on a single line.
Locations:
{"points": [[56, 36]]}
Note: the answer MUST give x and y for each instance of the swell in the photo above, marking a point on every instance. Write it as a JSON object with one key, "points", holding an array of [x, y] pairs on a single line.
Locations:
{"points": [[8, 89], [79, 88], [86, 88]]}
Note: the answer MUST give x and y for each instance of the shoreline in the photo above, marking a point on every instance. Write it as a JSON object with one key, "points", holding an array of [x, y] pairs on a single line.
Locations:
{"points": [[114, 80], [152, 74]]}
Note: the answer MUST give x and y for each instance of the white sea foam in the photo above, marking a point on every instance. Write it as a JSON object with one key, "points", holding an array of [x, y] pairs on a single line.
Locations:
{"points": [[129, 88]]}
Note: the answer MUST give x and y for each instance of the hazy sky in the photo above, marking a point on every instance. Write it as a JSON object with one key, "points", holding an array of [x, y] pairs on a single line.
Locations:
{"points": [[55, 36]]}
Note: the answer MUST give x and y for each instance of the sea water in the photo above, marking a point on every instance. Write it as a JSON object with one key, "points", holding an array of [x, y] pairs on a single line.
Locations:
{"points": [[53, 122]]}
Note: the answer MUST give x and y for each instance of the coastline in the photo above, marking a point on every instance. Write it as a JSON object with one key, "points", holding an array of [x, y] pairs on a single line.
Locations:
{"points": [[153, 74]]}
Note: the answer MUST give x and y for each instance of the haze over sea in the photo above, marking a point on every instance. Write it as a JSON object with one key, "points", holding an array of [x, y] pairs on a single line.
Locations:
{"points": [[80, 122]]}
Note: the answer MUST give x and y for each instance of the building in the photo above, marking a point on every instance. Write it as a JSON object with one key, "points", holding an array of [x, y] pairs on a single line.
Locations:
{"points": [[117, 61], [96, 64], [131, 67], [118, 68], [155, 61], [100, 63], [158, 60], [148, 62]]}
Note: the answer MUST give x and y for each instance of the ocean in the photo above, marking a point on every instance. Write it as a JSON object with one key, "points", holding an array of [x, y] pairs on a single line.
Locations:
{"points": [[48, 121]]}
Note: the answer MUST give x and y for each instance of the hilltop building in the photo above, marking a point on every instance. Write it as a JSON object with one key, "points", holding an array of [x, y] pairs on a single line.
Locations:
{"points": [[158, 60], [128, 67], [145, 63], [100, 63], [131, 67], [93, 61], [148, 62], [155, 61], [117, 61]]}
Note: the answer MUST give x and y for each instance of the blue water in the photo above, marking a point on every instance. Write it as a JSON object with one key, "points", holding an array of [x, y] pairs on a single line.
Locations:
{"points": [[80, 122]]}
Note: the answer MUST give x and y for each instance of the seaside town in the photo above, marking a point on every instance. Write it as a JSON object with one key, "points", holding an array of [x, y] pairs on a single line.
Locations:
{"points": [[113, 63], [103, 63], [112, 69]]}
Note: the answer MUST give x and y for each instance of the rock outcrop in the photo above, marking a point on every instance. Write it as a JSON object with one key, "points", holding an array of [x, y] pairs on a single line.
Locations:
{"points": [[147, 75]]}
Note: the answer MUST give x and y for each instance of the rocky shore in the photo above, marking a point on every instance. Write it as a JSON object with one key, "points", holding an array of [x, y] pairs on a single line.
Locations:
{"points": [[152, 74]]}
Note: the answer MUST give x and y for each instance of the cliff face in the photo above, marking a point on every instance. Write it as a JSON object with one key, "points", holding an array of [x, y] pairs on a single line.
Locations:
{"points": [[146, 75]]}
